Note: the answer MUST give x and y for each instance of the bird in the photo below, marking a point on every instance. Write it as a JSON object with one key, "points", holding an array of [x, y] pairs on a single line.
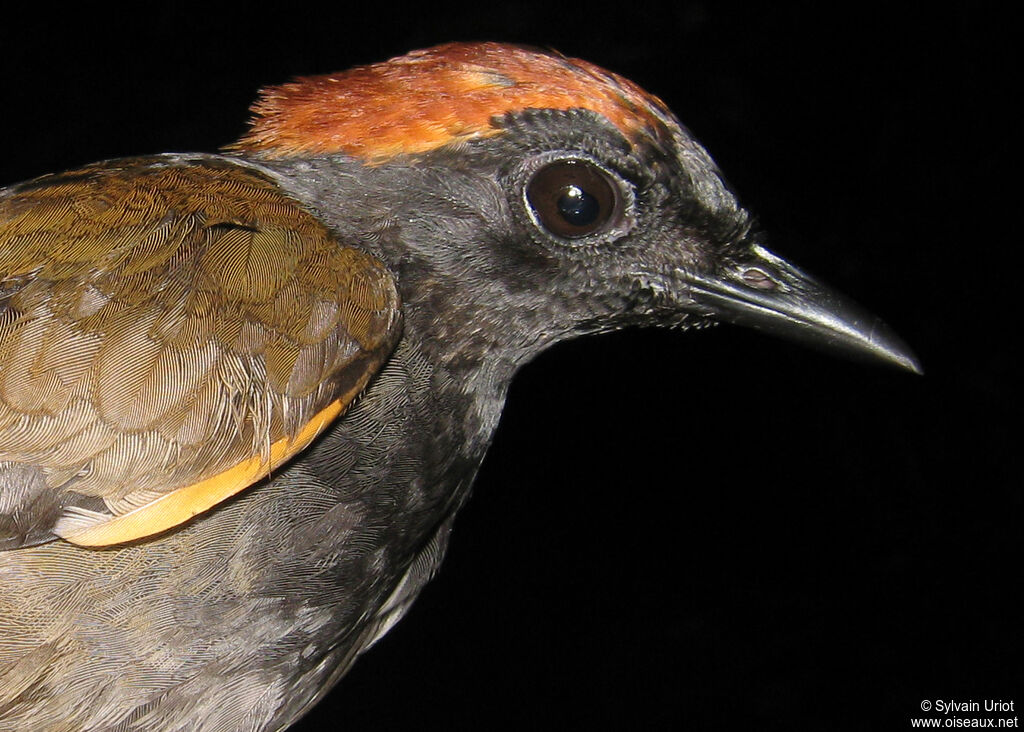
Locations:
{"points": [[244, 394]]}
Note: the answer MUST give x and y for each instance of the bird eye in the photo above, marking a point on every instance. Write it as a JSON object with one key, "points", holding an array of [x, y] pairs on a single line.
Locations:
{"points": [[573, 198]]}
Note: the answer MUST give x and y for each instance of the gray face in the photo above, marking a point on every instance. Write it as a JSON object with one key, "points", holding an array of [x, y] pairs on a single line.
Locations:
{"points": [[560, 225]]}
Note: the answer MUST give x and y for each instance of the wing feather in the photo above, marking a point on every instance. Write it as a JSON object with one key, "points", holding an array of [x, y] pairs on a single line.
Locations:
{"points": [[171, 329]]}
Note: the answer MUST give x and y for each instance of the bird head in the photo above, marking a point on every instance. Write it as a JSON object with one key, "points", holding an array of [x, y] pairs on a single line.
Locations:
{"points": [[522, 197]]}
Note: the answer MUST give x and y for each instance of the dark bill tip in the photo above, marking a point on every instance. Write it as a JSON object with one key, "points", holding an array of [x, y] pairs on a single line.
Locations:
{"points": [[769, 294]]}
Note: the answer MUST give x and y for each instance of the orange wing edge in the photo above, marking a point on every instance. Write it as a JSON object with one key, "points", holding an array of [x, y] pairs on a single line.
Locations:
{"points": [[94, 529]]}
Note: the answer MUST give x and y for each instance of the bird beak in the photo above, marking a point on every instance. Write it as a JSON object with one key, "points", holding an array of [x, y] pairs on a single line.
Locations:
{"points": [[769, 294]]}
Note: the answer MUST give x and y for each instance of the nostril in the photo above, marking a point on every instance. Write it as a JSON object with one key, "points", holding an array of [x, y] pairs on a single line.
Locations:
{"points": [[758, 279]]}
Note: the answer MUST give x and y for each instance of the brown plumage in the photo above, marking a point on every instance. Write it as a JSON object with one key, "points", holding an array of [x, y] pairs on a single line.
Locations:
{"points": [[165, 324], [395, 241]]}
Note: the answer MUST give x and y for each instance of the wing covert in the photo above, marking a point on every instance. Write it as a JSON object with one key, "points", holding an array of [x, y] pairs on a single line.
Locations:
{"points": [[168, 324]]}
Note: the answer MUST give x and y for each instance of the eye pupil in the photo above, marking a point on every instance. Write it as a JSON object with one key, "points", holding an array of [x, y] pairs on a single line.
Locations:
{"points": [[578, 207], [572, 199]]}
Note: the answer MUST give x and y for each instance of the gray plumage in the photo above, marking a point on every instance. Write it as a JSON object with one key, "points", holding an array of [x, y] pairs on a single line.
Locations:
{"points": [[244, 617]]}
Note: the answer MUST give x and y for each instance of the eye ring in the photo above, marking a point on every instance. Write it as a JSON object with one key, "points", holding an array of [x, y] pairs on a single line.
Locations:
{"points": [[574, 199]]}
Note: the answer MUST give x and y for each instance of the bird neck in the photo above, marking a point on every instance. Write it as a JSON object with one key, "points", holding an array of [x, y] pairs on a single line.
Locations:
{"points": [[460, 315]]}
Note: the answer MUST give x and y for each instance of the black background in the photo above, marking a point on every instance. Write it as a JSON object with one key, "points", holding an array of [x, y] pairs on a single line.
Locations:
{"points": [[704, 531]]}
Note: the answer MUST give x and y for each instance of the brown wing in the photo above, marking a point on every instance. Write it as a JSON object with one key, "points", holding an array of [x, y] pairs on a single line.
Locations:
{"points": [[170, 330]]}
